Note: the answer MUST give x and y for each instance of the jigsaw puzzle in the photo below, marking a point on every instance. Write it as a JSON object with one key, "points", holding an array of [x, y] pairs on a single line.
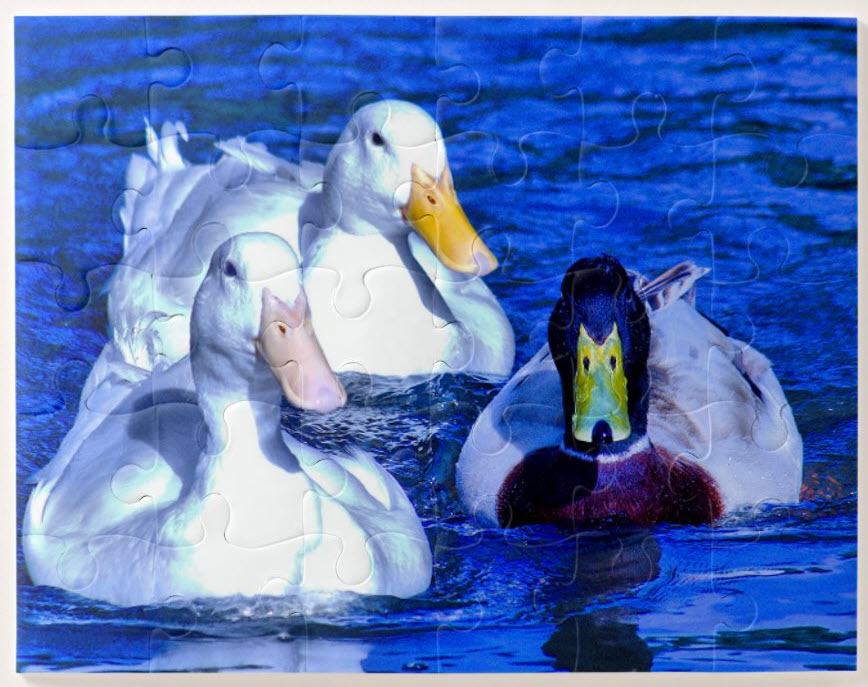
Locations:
{"points": [[435, 344]]}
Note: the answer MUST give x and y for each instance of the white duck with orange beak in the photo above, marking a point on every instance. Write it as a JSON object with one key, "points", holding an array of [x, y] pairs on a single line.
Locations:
{"points": [[392, 266], [159, 491]]}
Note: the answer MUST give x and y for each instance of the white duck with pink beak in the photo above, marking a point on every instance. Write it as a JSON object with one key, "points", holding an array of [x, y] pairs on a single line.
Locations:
{"points": [[160, 492]]}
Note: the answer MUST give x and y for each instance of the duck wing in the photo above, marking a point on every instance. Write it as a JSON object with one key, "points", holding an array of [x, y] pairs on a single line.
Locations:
{"points": [[131, 438], [716, 400], [174, 216]]}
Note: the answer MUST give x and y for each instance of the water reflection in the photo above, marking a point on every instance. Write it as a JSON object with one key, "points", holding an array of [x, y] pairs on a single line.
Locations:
{"points": [[588, 567], [595, 642], [275, 653], [606, 564]]}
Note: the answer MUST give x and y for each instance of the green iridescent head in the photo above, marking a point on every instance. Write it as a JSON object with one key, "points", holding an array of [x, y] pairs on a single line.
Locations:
{"points": [[599, 337]]}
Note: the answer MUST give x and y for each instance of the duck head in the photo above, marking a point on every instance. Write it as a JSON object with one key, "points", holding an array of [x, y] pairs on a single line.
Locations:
{"points": [[599, 337], [389, 170], [251, 325]]}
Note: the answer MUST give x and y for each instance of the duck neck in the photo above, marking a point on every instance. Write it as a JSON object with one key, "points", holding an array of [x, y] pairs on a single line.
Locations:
{"points": [[241, 413], [354, 248], [366, 216], [607, 453]]}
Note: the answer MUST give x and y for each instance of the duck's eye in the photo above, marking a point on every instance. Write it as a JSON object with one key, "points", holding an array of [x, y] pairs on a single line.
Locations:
{"points": [[613, 362], [432, 199], [586, 363], [377, 140], [229, 269]]}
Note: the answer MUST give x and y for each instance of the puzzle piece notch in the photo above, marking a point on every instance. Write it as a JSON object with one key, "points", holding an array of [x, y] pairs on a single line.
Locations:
{"points": [[48, 334], [559, 57], [459, 84], [77, 564], [346, 302], [741, 613], [77, 285], [275, 66], [571, 69]]}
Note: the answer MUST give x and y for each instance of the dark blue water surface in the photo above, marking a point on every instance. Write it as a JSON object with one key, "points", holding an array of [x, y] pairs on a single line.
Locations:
{"points": [[731, 142]]}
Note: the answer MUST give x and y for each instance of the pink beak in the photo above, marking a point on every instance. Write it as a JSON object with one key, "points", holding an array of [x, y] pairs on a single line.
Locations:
{"points": [[288, 344]]}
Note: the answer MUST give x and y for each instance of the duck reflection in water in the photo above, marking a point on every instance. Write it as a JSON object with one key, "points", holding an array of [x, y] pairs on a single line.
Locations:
{"points": [[600, 640]]}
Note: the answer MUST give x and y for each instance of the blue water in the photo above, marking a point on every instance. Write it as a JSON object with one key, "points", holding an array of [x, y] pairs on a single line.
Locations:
{"points": [[731, 142]]}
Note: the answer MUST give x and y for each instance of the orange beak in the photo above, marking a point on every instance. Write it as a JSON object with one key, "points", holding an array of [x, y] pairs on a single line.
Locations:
{"points": [[434, 212]]}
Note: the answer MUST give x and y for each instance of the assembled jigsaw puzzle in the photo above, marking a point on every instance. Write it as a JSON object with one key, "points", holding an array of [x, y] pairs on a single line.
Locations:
{"points": [[436, 344]]}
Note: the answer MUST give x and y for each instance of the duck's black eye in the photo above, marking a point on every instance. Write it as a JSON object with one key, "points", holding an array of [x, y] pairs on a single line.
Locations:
{"points": [[377, 140], [613, 362], [586, 363], [229, 269]]}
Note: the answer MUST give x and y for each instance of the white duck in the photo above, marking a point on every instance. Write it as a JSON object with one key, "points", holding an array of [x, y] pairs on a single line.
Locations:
{"points": [[159, 491], [713, 434], [391, 264]]}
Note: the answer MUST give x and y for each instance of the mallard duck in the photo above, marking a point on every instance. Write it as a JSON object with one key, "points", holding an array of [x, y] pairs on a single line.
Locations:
{"points": [[391, 264], [183, 483], [639, 409]]}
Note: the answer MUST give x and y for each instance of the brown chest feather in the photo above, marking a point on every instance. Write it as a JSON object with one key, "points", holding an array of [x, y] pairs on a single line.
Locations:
{"points": [[550, 486]]}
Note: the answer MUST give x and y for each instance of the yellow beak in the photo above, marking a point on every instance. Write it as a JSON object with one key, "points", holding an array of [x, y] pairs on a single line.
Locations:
{"points": [[434, 212], [600, 388]]}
